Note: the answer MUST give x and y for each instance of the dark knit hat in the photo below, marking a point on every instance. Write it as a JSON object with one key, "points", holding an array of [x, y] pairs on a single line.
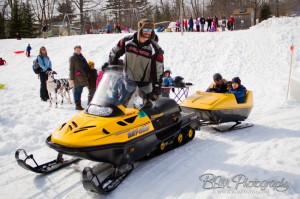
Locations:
{"points": [[217, 76], [77, 46], [145, 24], [236, 80]]}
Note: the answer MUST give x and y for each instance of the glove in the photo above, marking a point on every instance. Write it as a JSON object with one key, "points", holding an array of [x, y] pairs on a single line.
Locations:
{"points": [[156, 89], [117, 62], [152, 96], [104, 66]]}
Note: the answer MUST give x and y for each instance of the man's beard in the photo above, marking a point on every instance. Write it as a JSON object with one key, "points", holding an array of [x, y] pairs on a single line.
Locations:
{"points": [[146, 36]]}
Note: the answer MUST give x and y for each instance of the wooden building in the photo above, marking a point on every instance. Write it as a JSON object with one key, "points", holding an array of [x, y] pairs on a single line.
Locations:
{"points": [[244, 18]]}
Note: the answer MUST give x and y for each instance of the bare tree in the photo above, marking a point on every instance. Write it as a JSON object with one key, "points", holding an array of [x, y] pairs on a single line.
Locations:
{"points": [[255, 5], [85, 5], [196, 8], [43, 10], [211, 6], [50, 6]]}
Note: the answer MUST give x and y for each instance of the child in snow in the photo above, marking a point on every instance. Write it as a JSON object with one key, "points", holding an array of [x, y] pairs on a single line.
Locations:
{"points": [[238, 90], [92, 81], [167, 82], [2, 61], [28, 49]]}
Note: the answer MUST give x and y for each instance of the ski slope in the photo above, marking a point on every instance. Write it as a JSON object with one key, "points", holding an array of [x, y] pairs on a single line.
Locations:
{"points": [[267, 152]]}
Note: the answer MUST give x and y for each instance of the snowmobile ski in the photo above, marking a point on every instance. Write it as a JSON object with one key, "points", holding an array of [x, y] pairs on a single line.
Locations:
{"points": [[91, 181], [236, 126], [48, 167]]}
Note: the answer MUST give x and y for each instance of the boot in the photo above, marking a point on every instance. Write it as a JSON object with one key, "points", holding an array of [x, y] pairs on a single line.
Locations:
{"points": [[78, 106], [147, 104]]}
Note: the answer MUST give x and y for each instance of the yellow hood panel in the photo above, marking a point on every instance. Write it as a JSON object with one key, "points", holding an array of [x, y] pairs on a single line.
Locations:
{"points": [[86, 130]]}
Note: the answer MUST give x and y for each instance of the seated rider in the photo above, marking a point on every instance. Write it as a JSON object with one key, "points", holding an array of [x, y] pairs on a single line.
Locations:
{"points": [[228, 85], [219, 84], [238, 90]]}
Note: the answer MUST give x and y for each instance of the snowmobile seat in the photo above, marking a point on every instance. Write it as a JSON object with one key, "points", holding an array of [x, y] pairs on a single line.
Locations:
{"points": [[162, 106], [248, 96]]}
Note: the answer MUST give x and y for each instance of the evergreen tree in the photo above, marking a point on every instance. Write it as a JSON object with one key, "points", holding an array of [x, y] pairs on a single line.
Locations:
{"points": [[157, 15], [145, 9], [65, 8], [15, 23], [265, 12], [167, 13], [2, 27], [28, 29], [115, 7]]}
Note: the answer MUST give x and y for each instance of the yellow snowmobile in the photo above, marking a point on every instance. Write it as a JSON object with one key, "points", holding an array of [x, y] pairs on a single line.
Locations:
{"points": [[217, 108], [108, 131]]}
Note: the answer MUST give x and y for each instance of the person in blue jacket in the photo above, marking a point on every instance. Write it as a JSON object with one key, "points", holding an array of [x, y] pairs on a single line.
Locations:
{"points": [[238, 90], [167, 82], [28, 49], [46, 65], [191, 24], [107, 28]]}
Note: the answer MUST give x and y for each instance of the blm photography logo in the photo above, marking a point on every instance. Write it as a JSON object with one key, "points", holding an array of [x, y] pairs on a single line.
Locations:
{"points": [[242, 184]]}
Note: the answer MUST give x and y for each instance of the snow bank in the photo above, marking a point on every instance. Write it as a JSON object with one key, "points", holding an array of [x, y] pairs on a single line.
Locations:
{"points": [[281, 23]]}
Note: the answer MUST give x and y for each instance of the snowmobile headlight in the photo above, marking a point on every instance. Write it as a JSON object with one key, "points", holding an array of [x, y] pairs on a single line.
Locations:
{"points": [[99, 110]]}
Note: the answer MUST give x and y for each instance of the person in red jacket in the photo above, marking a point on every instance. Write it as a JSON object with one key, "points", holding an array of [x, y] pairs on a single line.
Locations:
{"points": [[185, 25], [2, 61], [231, 21]]}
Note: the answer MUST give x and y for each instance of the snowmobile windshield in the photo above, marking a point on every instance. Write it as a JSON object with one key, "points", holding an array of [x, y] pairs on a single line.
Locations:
{"points": [[109, 93]]}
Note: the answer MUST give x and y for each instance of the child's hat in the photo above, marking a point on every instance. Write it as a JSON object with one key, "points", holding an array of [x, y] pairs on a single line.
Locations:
{"points": [[167, 70], [236, 80], [90, 63]]}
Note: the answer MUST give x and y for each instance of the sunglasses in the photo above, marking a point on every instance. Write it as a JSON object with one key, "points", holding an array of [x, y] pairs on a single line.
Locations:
{"points": [[147, 30]]}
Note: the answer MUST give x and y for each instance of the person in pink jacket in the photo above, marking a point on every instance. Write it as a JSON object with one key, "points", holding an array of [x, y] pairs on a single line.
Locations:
{"points": [[100, 74]]}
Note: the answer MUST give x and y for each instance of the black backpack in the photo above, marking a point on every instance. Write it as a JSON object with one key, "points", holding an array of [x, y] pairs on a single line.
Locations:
{"points": [[36, 67]]}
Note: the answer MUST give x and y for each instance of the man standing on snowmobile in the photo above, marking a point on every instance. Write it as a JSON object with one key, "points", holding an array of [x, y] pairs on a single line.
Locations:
{"points": [[143, 63]]}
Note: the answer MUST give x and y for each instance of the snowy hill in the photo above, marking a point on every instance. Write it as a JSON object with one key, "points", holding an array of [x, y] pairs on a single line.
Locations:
{"points": [[267, 152]]}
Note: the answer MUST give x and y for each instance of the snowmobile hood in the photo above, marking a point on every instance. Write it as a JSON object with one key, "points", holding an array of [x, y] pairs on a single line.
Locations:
{"points": [[85, 130], [216, 101]]}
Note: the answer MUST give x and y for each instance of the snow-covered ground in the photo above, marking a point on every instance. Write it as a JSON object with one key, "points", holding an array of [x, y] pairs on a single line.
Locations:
{"points": [[266, 154]]}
